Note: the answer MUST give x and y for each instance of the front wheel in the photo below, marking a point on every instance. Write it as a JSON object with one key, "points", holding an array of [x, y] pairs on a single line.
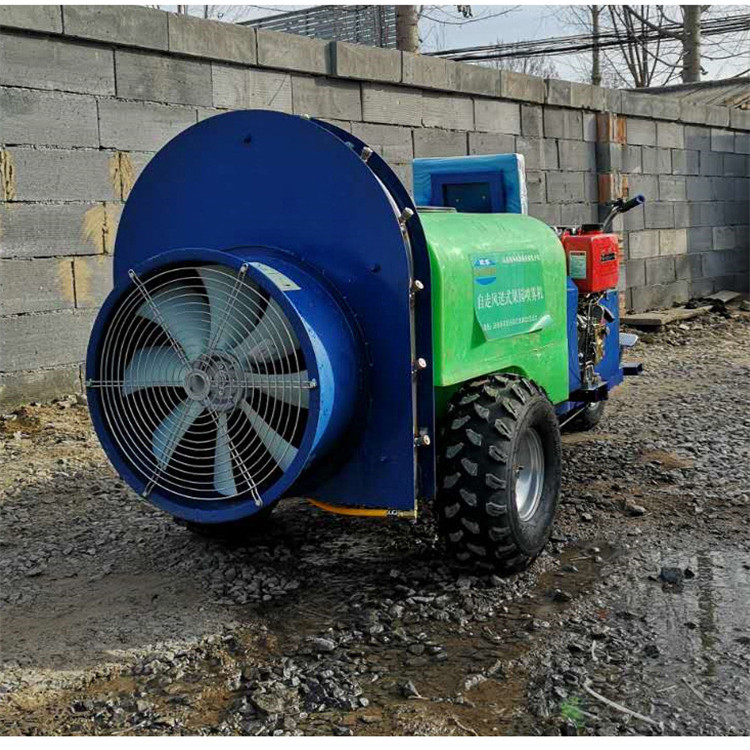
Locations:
{"points": [[499, 472]]}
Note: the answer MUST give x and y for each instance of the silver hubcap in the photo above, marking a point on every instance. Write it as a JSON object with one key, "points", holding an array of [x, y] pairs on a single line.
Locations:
{"points": [[529, 471]]}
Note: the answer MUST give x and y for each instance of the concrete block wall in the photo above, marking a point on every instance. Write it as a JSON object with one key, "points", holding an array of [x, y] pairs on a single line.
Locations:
{"points": [[89, 93], [691, 239]]}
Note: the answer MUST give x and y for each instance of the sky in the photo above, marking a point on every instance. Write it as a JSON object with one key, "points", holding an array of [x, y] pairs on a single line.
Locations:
{"points": [[545, 22], [523, 23]]}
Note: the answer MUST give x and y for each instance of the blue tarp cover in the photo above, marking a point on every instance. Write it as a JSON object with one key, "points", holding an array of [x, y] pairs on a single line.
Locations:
{"points": [[508, 167]]}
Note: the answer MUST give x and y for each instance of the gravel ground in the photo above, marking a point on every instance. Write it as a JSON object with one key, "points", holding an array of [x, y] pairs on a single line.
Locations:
{"points": [[114, 620]]}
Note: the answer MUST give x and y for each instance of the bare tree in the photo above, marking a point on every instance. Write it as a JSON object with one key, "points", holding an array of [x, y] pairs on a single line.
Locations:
{"points": [[691, 43], [643, 58], [407, 28], [596, 72]]}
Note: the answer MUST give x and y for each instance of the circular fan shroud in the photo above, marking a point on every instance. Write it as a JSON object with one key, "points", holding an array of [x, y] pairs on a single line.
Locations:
{"points": [[206, 385]]}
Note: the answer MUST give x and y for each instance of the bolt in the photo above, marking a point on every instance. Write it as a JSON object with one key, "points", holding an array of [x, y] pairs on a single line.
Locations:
{"points": [[366, 154], [421, 363], [418, 285], [422, 440], [406, 214]]}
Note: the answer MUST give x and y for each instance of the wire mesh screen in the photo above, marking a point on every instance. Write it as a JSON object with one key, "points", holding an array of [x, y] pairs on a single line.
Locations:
{"points": [[374, 25], [203, 383]]}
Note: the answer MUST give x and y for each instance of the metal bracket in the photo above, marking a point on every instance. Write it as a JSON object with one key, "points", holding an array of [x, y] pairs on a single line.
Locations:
{"points": [[590, 395], [632, 368]]}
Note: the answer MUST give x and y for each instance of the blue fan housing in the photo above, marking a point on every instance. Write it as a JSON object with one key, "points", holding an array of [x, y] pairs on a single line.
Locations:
{"points": [[263, 315]]}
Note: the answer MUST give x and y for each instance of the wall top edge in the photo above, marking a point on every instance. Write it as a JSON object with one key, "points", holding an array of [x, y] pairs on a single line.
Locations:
{"points": [[85, 23]]}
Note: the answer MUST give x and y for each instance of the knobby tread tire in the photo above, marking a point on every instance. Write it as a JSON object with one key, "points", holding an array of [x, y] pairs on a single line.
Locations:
{"points": [[475, 504]]}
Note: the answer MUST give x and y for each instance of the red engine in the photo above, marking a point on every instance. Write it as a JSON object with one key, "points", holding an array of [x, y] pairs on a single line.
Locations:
{"points": [[593, 259]]}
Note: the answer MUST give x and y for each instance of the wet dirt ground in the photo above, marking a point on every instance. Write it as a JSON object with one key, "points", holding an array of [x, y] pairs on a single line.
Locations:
{"points": [[635, 620]]}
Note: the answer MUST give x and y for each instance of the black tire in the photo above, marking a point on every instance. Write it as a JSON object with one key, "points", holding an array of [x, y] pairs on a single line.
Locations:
{"points": [[483, 433], [587, 419], [235, 531]]}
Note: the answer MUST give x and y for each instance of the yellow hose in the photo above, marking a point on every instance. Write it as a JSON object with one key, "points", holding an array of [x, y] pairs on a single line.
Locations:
{"points": [[363, 512]]}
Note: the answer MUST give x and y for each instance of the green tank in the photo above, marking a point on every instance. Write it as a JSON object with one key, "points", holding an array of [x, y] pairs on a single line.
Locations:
{"points": [[498, 300]]}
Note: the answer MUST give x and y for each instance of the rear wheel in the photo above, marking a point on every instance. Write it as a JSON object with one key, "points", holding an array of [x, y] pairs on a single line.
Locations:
{"points": [[588, 418], [499, 472]]}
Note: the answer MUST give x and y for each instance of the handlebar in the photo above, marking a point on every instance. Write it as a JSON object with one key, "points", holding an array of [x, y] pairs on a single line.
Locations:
{"points": [[618, 206], [621, 206], [632, 203]]}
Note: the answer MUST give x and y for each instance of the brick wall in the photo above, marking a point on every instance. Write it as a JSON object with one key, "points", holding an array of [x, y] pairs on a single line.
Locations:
{"points": [[89, 93]]}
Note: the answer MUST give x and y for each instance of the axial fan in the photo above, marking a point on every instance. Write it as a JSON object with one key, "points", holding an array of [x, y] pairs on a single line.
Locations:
{"points": [[209, 394], [210, 384]]}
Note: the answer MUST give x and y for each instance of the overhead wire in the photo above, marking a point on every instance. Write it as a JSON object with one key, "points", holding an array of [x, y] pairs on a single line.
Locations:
{"points": [[586, 42]]}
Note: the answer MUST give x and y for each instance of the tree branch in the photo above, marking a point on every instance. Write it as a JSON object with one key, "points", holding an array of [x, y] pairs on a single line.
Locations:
{"points": [[652, 26]]}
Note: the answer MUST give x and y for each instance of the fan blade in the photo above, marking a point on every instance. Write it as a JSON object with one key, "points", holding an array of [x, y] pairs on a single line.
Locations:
{"points": [[185, 316], [219, 286], [153, 366], [223, 474], [292, 388], [272, 338], [282, 451], [172, 429]]}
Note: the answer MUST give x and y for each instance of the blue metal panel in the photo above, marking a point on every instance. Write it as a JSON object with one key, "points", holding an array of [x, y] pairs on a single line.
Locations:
{"points": [[609, 368], [574, 367], [504, 174], [422, 303], [255, 179]]}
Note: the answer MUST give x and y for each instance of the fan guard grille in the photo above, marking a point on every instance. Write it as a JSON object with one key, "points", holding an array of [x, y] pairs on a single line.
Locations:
{"points": [[203, 384]]}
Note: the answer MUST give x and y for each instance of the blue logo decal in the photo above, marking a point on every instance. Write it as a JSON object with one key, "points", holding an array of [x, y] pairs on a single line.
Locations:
{"points": [[485, 271]]}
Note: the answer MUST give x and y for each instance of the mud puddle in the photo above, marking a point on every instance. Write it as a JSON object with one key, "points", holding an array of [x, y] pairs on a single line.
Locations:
{"points": [[700, 625], [673, 644]]}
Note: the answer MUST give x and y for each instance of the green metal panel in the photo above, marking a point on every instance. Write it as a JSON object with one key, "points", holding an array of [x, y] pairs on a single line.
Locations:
{"points": [[498, 299]]}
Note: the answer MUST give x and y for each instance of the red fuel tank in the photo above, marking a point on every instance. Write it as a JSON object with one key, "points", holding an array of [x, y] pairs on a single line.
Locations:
{"points": [[593, 260]]}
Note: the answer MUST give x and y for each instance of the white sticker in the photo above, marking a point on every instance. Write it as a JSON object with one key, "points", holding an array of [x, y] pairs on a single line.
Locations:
{"points": [[577, 265], [284, 283]]}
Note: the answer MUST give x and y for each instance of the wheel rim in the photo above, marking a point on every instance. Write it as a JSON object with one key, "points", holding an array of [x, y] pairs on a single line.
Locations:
{"points": [[529, 471]]}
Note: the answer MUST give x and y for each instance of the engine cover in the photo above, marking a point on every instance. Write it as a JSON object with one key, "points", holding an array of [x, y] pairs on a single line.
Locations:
{"points": [[593, 260]]}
